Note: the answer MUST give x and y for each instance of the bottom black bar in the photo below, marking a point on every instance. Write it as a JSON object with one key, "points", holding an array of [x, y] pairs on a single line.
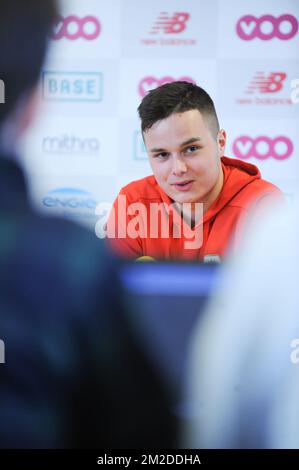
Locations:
{"points": [[133, 458]]}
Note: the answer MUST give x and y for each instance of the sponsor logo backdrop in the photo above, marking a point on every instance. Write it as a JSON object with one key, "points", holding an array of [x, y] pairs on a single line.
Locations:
{"points": [[105, 56]]}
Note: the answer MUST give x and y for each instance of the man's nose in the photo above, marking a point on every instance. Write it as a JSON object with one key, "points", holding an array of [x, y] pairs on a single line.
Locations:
{"points": [[179, 166]]}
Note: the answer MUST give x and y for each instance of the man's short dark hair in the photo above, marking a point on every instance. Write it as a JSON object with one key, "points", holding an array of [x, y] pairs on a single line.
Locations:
{"points": [[177, 97], [24, 29]]}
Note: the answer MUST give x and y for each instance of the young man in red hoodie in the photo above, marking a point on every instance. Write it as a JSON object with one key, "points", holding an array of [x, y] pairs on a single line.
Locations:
{"points": [[193, 206]]}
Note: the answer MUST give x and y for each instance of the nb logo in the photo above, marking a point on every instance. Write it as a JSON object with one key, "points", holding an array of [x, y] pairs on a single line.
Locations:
{"points": [[170, 24], [72, 28], [271, 83], [150, 83], [263, 147], [267, 27]]}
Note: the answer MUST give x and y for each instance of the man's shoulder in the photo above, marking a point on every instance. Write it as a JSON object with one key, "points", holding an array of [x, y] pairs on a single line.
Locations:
{"points": [[255, 191], [143, 189]]}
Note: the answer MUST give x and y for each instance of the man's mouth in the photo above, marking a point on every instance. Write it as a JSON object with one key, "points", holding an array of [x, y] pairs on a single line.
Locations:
{"points": [[183, 185]]}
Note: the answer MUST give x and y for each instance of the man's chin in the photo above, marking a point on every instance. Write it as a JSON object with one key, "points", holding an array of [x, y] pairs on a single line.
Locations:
{"points": [[184, 198]]}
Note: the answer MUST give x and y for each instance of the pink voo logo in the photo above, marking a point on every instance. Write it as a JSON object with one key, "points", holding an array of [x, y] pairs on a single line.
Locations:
{"points": [[150, 83], [263, 147], [72, 27], [267, 27]]}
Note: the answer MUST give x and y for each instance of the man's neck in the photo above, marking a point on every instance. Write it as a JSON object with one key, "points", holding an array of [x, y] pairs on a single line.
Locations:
{"points": [[213, 195], [193, 216]]}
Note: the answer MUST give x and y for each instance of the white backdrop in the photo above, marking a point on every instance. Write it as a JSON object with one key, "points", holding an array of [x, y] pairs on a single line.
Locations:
{"points": [[86, 144]]}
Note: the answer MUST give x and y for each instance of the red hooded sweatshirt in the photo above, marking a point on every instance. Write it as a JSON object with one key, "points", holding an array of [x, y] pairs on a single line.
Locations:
{"points": [[131, 235]]}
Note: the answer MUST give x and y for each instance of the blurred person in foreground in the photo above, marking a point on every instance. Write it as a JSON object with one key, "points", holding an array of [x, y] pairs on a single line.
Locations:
{"points": [[195, 204], [73, 374], [244, 370]]}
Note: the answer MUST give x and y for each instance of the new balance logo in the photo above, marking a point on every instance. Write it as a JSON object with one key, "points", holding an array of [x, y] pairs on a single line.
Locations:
{"points": [[170, 24], [271, 83]]}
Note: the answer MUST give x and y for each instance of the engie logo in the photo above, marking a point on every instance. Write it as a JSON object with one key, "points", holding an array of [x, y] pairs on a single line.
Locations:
{"points": [[72, 28], [170, 24], [150, 83], [267, 27], [262, 83], [72, 86], [139, 152], [70, 144], [2, 92], [263, 147], [71, 202]]}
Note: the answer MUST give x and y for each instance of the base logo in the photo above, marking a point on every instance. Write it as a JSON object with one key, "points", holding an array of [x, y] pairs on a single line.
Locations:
{"points": [[72, 86]]}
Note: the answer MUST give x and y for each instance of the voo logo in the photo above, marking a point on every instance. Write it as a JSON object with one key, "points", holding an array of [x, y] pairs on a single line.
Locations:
{"points": [[72, 28], [150, 83], [2, 92], [263, 147], [267, 27]]}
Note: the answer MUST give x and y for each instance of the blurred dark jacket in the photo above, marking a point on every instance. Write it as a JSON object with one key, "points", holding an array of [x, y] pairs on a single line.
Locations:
{"points": [[75, 374]]}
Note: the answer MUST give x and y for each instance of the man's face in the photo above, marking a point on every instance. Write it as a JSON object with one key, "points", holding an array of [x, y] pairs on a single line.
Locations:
{"points": [[185, 157]]}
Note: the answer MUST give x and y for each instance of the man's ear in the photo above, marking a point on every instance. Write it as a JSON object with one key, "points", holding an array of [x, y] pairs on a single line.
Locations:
{"points": [[221, 142]]}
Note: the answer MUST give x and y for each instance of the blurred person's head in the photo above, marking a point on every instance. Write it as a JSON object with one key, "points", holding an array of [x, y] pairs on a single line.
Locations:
{"points": [[184, 142], [24, 32]]}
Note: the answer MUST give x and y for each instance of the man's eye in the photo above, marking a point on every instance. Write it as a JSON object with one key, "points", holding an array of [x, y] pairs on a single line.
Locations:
{"points": [[191, 149], [161, 155]]}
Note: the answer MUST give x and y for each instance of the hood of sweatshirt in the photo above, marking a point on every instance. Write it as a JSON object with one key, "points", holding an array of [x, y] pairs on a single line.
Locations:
{"points": [[236, 175]]}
